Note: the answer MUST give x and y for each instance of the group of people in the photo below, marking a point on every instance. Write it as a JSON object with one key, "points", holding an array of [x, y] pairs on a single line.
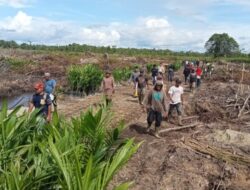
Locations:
{"points": [[158, 102], [192, 74]]}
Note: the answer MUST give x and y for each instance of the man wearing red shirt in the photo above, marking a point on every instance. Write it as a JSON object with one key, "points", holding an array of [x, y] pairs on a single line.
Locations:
{"points": [[198, 74]]}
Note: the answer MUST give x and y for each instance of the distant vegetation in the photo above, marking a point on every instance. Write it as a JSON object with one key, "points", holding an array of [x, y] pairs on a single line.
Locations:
{"points": [[221, 45], [236, 57]]}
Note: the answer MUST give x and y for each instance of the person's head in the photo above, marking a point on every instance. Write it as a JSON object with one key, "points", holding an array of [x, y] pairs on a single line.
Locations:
{"points": [[154, 66], [158, 86], [47, 76], [177, 82], [107, 73], [192, 71], [39, 87]]}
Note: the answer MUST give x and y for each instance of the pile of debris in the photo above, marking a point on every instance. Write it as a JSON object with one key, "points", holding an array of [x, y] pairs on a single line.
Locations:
{"points": [[221, 101]]}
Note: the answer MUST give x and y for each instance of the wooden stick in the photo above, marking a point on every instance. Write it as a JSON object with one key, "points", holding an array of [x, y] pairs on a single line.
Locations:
{"points": [[217, 152], [191, 117], [243, 108], [179, 128]]}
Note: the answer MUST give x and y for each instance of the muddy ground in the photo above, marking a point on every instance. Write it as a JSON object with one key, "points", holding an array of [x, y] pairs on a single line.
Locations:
{"points": [[214, 155], [170, 163]]}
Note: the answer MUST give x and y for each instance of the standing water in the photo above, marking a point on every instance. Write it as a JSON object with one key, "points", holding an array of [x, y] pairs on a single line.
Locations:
{"points": [[13, 102]]}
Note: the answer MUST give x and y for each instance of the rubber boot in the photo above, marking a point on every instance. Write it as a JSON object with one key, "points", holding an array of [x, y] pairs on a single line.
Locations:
{"points": [[156, 133], [180, 121], [148, 129]]}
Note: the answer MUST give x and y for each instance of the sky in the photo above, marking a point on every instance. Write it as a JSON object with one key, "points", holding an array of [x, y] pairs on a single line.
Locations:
{"points": [[179, 25]]}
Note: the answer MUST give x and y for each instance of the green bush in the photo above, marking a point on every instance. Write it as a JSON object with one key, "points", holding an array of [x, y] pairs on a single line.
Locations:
{"points": [[122, 74], [17, 63], [177, 66], [150, 66], [83, 153], [85, 78]]}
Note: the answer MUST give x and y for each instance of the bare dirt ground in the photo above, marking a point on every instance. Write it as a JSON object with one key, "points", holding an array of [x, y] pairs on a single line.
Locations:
{"points": [[185, 159]]}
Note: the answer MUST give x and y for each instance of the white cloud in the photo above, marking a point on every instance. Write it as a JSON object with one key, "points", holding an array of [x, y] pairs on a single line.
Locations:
{"points": [[149, 32], [15, 3], [19, 23]]}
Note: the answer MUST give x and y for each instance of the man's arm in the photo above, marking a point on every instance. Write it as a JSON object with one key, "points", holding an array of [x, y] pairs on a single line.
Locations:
{"points": [[31, 106], [146, 102], [170, 95], [49, 113], [165, 104], [54, 87], [49, 102], [182, 97]]}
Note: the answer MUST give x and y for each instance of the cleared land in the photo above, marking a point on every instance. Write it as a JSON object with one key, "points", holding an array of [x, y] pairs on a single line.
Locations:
{"points": [[213, 155]]}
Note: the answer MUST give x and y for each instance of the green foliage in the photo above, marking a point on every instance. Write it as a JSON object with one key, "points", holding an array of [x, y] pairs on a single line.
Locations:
{"points": [[85, 78], [177, 66], [79, 154], [17, 63], [122, 74], [150, 66], [221, 45]]}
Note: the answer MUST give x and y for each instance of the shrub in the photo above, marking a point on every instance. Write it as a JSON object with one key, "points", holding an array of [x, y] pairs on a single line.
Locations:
{"points": [[85, 78], [150, 66], [18, 63], [122, 74], [177, 66], [79, 154]]}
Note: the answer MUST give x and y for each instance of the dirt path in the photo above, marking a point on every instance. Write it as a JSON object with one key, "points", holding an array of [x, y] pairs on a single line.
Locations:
{"points": [[166, 163]]}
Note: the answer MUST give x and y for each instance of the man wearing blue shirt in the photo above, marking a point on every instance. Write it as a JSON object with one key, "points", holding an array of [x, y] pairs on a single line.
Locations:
{"points": [[50, 85]]}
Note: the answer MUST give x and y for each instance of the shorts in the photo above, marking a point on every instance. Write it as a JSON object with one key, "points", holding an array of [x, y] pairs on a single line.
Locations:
{"points": [[175, 106], [154, 116]]}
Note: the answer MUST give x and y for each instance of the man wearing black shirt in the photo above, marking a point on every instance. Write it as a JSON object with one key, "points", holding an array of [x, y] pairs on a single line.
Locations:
{"points": [[41, 101]]}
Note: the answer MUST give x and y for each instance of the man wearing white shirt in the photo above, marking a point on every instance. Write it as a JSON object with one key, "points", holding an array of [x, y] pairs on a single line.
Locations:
{"points": [[176, 99]]}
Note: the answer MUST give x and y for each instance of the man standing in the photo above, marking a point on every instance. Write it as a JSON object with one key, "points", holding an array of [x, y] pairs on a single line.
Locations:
{"points": [[198, 75], [162, 69], [156, 104], [50, 86], [154, 72], [170, 73], [41, 100], [176, 99], [141, 84], [133, 78], [108, 87], [186, 71]]}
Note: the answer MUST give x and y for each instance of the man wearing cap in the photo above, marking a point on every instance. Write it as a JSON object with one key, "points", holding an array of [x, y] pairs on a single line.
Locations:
{"points": [[156, 105], [41, 100], [108, 86], [50, 85], [176, 99]]}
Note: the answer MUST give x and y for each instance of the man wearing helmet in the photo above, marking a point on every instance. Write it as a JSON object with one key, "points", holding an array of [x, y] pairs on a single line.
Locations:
{"points": [[41, 100]]}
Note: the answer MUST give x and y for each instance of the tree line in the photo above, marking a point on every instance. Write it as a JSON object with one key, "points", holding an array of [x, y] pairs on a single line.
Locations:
{"points": [[218, 45]]}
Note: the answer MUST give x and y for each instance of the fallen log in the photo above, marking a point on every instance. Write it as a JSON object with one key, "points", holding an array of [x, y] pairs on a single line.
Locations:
{"points": [[217, 152], [191, 117], [179, 128]]}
